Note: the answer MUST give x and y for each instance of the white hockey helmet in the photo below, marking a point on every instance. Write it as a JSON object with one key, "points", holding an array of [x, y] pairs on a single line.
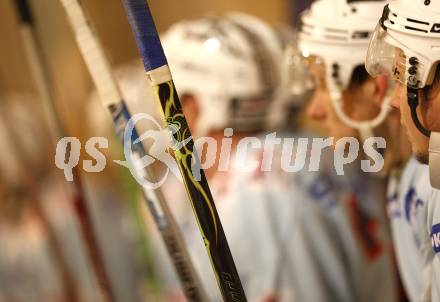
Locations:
{"points": [[338, 33], [230, 64], [406, 45]]}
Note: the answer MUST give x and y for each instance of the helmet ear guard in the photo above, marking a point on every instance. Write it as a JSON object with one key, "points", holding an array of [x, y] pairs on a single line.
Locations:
{"points": [[413, 102]]}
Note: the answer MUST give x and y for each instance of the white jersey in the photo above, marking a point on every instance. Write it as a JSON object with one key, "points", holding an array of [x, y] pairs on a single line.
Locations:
{"points": [[342, 247], [257, 217], [433, 231], [408, 205], [295, 234]]}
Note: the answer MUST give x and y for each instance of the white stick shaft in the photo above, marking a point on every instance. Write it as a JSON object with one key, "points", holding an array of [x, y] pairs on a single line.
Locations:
{"points": [[110, 94]]}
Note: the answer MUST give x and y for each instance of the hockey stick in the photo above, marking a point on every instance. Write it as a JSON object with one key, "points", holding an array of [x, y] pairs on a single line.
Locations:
{"points": [[155, 64], [65, 273], [40, 74], [112, 99]]}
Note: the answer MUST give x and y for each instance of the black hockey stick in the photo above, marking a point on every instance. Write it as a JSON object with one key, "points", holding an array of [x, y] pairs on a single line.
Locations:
{"points": [[112, 99], [211, 229], [40, 75]]}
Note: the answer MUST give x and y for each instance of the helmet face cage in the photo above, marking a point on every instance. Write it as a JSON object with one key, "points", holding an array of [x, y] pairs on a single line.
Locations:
{"points": [[383, 58], [386, 55], [389, 53], [299, 80], [413, 27], [296, 87], [296, 84]]}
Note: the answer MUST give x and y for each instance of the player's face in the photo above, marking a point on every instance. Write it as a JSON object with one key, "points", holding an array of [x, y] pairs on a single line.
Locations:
{"points": [[320, 106], [419, 142], [356, 104]]}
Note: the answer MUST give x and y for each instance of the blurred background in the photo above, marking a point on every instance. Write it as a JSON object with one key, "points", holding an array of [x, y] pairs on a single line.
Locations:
{"points": [[112, 26], [112, 196], [70, 80]]}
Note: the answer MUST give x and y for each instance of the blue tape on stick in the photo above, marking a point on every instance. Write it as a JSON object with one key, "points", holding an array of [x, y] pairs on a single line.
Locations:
{"points": [[145, 32]]}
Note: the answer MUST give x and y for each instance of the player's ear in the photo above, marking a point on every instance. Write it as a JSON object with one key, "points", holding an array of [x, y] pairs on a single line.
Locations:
{"points": [[377, 88], [382, 85]]}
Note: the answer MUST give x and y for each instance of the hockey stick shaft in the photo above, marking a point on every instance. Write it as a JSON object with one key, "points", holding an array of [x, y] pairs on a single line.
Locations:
{"points": [[40, 74], [156, 66], [112, 99]]}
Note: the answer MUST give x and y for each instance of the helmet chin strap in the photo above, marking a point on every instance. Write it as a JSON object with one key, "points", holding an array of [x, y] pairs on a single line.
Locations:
{"points": [[413, 102], [365, 128]]}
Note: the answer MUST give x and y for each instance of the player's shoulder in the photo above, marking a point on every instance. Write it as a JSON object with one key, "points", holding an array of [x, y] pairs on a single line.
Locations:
{"points": [[414, 184], [434, 210], [415, 174]]}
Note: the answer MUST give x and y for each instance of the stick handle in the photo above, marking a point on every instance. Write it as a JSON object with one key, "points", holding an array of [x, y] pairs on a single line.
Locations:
{"points": [[93, 53], [145, 33]]}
